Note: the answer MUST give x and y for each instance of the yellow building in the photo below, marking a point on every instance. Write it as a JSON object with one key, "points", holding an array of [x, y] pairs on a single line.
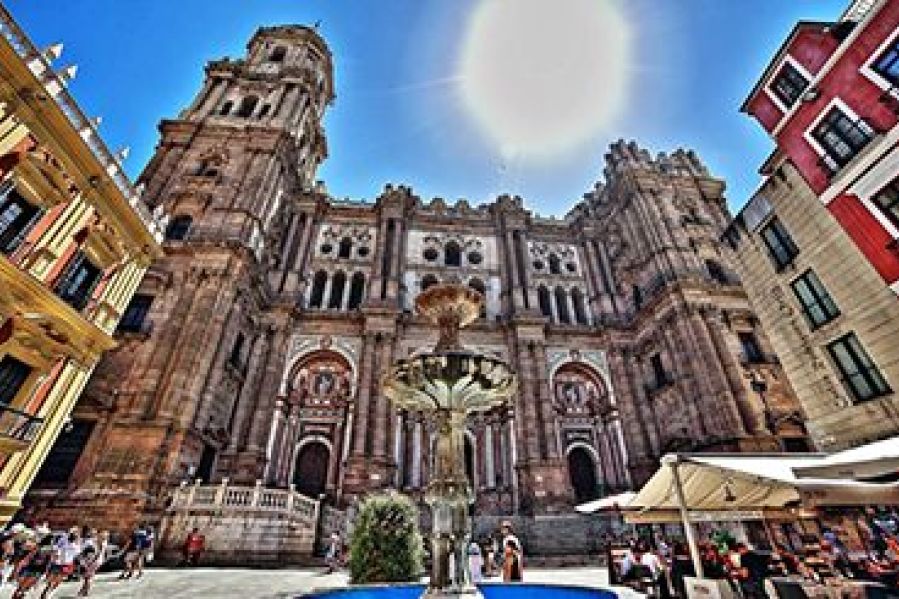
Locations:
{"points": [[75, 241]]}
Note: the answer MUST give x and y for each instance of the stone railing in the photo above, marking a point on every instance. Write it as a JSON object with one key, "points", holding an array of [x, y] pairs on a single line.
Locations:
{"points": [[226, 497], [248, 524]]}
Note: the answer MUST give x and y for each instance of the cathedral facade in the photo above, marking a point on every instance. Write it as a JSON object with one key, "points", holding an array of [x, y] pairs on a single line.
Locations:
{"points": [[254, 348]]}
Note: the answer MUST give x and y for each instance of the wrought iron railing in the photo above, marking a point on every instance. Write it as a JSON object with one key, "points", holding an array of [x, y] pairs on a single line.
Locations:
{"points": [[17, 425]]}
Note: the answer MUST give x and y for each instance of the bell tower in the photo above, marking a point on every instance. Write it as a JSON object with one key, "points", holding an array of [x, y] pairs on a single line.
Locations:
{"points": [[179, 396]]}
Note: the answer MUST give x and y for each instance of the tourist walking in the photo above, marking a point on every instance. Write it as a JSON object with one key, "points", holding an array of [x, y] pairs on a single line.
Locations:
{"points": [[509, 537], [93, 555], [475, 561], [134, 549], [194, 545], [34, 564], [62, 563], [335, 548], [491, 555]]}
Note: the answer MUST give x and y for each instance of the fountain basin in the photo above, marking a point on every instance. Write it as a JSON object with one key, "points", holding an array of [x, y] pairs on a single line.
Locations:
{"points": [[489, 590]]}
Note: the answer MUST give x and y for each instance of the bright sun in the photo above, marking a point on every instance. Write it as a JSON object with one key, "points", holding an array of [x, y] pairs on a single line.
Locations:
{"points": [[543, 76]]}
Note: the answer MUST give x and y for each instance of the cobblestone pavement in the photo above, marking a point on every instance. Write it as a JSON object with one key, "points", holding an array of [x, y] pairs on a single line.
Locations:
{"points": [[274, 584]]}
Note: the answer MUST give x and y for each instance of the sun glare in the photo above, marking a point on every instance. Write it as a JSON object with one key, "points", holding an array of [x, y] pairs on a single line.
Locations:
{"points": [[545, 76]]}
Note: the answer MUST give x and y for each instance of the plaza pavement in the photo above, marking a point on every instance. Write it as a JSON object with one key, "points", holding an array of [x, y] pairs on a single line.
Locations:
{"points": [[274, 584]]}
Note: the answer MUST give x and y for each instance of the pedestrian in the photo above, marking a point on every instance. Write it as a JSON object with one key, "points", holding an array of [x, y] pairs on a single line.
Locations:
{"points": [[512, 563], [651, 561], [490, 545], [90, 563], [194, 545], [147, 553], [62, 565], [133, 548], [7, 555], [475, 561], [335, 548], [34, 564]]}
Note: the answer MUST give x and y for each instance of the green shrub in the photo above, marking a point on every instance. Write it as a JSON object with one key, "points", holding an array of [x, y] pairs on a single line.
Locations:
{"points": [[386, 544]]}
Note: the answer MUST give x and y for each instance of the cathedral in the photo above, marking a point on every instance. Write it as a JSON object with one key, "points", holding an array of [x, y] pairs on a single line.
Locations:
{"points": [[254, 349]]}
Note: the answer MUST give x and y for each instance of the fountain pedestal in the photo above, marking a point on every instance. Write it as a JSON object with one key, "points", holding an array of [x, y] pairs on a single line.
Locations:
{"points": [[446, 385]]}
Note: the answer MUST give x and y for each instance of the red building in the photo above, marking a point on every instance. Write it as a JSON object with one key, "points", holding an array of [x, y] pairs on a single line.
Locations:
{"points": [[830, 101]]}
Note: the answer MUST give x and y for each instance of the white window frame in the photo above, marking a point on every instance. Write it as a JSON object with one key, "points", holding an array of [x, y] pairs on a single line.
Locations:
{"points": [[844, 108], [868, 71], [773, 96]]}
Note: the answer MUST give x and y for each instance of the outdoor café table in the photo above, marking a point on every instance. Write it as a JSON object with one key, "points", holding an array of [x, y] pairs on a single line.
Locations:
{"points": [[800, 588]]}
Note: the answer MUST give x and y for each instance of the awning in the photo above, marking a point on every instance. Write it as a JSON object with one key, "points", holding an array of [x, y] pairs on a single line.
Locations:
{"points": [[612, 502], [868, 461], [752, 482]]}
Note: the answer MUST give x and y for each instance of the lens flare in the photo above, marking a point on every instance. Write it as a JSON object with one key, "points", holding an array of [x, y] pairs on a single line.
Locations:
{"points": [[542, 76]]}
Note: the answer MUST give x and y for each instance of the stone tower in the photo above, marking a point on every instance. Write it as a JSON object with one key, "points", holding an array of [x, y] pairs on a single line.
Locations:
{"points": [[176, 400]]}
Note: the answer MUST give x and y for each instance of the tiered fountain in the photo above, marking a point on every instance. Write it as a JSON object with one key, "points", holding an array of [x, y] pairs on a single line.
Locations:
{"points": [[447, 385]]}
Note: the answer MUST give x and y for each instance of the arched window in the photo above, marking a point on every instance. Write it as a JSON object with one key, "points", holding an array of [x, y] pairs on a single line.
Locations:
{"points": [[178, 228], [247, 106], [357, 290], [263, 112], [226, 108], [562, 306], [346, 248], [580, 311], [318, 289], [338, 282], [452, 254], [554, 265], [545, 301], [715, 271], [478, 285], [278, 54], [428, 281]]}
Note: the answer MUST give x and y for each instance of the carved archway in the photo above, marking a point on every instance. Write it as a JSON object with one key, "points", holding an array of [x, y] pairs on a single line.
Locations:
{"points": [[578, 390], [322, 378]]}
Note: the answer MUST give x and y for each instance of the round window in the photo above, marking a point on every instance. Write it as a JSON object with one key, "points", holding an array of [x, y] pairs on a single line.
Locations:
{"points": [[571, 267], [326, 248], [475, 258], [538, 265], [363, 252], [431, 254]]}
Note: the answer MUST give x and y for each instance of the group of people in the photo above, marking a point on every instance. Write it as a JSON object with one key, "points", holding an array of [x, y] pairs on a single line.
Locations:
{"points": [[501, 552], [821, 558], [31, 556]]}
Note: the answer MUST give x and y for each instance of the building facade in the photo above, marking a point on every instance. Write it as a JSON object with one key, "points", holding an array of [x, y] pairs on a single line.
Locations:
{"points": [[75, 241], [816, 245], [276, 308]]}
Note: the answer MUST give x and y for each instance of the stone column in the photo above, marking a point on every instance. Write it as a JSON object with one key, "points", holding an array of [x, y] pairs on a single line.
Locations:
{"points": [[744, 415], [377, 273], [396, 255], [416, 453], [362, 405], [398, 453], [381, 442], [553, 448], [489, 473]]}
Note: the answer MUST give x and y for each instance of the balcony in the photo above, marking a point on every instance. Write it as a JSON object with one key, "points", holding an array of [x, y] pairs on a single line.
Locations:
{"points": [[17, 429]]}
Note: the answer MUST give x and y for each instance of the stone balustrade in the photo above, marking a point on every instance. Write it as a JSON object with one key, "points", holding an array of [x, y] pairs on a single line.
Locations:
{"points": [[249, 525]]}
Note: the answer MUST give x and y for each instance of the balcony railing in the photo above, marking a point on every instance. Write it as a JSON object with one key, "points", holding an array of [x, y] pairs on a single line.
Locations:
{"points": [[17, 428]]}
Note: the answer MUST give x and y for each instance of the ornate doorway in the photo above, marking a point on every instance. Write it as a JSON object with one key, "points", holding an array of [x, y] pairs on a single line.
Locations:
{"points": [[310, 474], [582, 471]]}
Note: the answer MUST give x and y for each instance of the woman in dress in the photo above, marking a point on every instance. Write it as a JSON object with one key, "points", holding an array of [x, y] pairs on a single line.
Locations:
{"points": [[512, 563]]}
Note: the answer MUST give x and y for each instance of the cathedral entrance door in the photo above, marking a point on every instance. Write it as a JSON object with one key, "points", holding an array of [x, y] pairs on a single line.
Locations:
{"points": [[310, 473], [582, 471]]}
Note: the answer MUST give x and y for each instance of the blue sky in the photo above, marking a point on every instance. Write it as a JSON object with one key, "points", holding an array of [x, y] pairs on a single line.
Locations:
{"points": [[398, 117]]}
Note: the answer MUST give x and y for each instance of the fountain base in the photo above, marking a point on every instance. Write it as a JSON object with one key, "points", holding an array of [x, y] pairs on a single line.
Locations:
{"points": [[450, 594]]}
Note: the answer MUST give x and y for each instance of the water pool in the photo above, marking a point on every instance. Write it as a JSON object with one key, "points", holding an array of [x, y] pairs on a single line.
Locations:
{"points": [[490, 591]]}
